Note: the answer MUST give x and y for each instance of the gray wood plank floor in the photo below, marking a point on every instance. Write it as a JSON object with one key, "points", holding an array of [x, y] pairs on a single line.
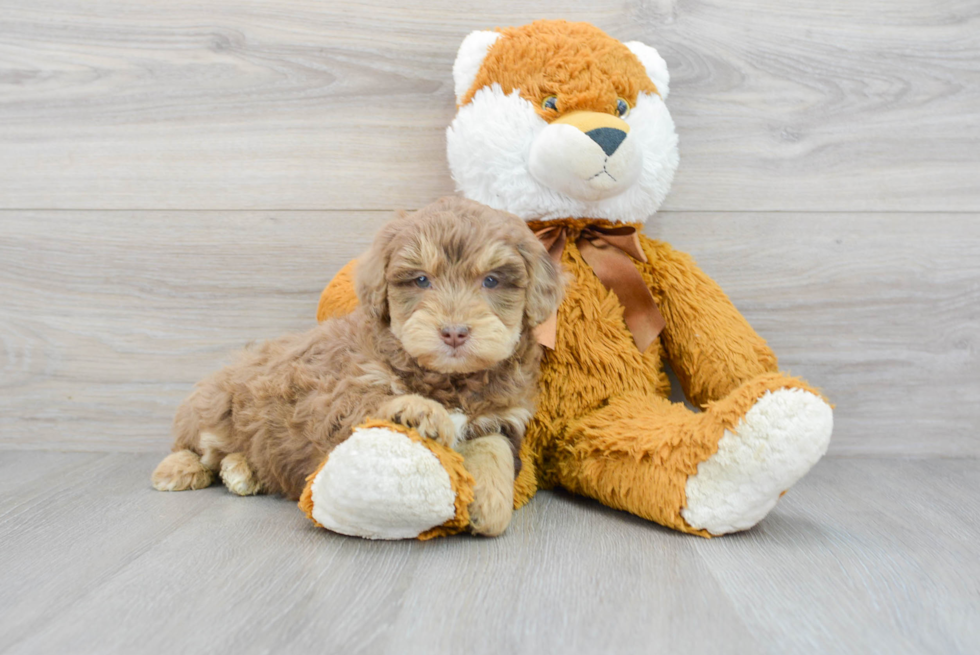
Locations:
{"points": [[863, 556]]}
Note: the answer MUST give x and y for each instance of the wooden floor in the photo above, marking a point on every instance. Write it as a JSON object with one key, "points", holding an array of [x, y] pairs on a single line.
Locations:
{"points": [[863, 556], [178, 178]]}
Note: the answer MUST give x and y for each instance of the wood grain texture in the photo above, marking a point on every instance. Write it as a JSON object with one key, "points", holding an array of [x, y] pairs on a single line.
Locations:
{"points": [[73, 527], [863, 544], [93, 560], [808, 105], [630, 587], [108, 318]]}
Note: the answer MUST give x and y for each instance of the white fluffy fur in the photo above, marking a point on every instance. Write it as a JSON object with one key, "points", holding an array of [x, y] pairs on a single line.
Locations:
{"points": [[773, 446], [472, 51], [654, 64], [380, 484], [460, 422], [489, 147]]}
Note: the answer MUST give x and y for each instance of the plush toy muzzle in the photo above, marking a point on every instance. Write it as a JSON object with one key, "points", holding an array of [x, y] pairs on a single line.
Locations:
{"points": [[587, 155]]}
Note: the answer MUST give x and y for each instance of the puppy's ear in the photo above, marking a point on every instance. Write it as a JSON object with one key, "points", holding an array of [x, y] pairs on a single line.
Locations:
{"points": [[370, 282], [546, 284]]}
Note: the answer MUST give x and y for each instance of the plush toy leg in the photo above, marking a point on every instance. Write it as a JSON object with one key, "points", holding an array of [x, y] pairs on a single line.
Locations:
{"points": [[706, 473], [387, 482]]}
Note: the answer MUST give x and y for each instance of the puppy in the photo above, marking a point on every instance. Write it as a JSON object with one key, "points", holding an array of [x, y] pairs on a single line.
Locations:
{"points": [[442, 342]]}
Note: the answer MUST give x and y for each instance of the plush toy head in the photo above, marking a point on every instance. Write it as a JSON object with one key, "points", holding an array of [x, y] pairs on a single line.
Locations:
{"points": [[559, 120]]}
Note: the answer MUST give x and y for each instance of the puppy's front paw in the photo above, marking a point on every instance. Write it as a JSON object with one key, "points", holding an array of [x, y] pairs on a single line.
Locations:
{"points": [[491, 463], [491, 510], [427, 416]]}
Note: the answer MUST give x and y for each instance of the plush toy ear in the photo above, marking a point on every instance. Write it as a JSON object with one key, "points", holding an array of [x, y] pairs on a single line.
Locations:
{"points": [[472, 51], [655, 65]]}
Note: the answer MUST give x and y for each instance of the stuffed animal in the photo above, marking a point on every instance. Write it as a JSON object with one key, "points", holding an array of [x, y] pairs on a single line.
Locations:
{"points": [[566, 127]]}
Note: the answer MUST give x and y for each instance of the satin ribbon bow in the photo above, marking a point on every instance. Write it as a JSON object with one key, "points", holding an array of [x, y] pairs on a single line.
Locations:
{"points": [[608, 250]]}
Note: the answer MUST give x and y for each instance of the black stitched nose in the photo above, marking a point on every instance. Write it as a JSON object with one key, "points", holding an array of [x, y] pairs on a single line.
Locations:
{"points": [[455, 335], [608, 138]]}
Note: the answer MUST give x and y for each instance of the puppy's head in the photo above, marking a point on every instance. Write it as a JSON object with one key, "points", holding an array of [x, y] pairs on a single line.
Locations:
{"points": [[458, 284]]}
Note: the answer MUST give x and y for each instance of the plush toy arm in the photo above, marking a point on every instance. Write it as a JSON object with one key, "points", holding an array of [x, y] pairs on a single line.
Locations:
{"points": [[338, 298], [709, 344]]}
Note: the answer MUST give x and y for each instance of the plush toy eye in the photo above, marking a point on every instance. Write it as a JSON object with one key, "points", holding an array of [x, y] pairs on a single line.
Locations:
{"points": [[551, 102], [622, 107], [422, 282], [490, 282]]}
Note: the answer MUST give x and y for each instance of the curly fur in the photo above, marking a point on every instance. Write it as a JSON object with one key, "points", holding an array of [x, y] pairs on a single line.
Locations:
{"points": [[288, 402]]}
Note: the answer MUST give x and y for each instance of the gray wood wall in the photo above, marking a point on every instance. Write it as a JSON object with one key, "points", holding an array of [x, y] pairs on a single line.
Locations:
{"points": [[178, 178]]}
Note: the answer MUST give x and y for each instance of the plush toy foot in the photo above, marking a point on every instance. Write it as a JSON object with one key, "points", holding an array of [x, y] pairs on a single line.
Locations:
{"points": [[777, 441], [180, 471], [238, 476], [386, 482]]}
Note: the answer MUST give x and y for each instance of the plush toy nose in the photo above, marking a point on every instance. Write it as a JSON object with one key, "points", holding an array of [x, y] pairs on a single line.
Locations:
{"points": [[608, 138], [455, 335], [605, 129]]}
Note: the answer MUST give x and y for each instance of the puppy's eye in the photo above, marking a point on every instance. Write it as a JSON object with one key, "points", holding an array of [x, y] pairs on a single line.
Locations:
{"points": [[622, 108], [422, 282], [490, 282], [551, 102]]}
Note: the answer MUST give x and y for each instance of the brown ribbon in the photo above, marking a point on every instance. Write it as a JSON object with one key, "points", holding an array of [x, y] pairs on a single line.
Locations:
{"points": [[608, 250]]}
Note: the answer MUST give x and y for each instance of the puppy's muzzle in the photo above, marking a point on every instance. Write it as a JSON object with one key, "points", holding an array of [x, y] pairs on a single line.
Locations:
{"points": [[455, 335]]}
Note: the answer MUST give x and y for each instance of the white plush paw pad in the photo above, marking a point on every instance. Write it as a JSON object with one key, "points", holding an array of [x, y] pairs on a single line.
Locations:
{"points": [[380, 484], [777, 441]]}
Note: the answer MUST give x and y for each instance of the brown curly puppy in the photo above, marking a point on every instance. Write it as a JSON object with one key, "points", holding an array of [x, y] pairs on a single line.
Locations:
{"points": [[442, 342]]}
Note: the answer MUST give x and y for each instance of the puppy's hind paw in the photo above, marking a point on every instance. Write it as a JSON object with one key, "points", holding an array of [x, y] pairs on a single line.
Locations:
{"points": [[181, 470], [428, 417], [238, 476]]}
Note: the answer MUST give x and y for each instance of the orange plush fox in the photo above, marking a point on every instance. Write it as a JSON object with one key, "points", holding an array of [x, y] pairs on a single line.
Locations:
{"points": [[566, 127]]}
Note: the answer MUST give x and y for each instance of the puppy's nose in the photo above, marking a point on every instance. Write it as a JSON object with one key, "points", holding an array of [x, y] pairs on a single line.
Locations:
{"points": [[608, 138], [455, 335]]}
